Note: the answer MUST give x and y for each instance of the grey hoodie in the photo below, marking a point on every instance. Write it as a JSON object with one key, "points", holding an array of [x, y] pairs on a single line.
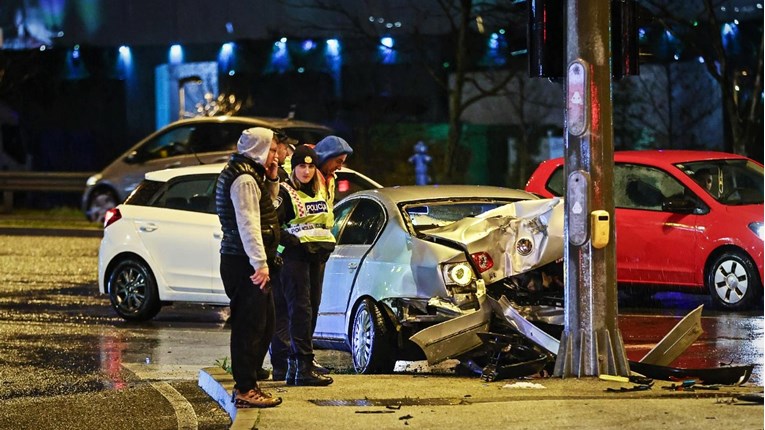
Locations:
{"points": [[245, 194]]}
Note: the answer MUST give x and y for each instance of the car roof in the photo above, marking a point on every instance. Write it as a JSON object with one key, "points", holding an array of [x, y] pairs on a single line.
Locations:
{"points": [[673, 156], [667, 156], [268, 122], [413, 193], [213, 168]]}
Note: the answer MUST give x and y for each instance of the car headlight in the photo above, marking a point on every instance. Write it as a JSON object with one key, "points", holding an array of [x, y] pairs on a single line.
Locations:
{"points": [[756, 227], [457, 273], [93, 180]]}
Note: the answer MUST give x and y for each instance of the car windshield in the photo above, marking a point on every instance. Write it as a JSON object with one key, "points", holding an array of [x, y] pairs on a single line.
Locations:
{"points": [[731, 182], [427, 215]]}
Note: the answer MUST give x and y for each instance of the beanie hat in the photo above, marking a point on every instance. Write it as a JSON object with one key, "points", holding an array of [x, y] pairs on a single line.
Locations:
{"points": [[303, 154], [331, 147], [255, 143]]}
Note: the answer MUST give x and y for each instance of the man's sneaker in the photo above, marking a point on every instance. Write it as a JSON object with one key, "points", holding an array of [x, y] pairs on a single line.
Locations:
{"points": [[255, 398]]}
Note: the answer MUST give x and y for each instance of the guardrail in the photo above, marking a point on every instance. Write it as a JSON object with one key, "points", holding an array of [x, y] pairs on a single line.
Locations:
{"points": [[15, 181]]}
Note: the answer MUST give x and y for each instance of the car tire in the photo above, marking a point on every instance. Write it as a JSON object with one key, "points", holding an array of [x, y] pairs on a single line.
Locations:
{"points": [[372, 342], [733, 281], [133, 290], [100, 201]]}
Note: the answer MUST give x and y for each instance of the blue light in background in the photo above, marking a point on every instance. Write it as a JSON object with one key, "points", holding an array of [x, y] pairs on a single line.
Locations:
{"points": [[126, 57], [334, 61], [75, 69], [308, 45], [387, 53], [494, 41], [280, 61], [730, 38], [175, 55], [226, 57], [333, 47], [496, 50]]}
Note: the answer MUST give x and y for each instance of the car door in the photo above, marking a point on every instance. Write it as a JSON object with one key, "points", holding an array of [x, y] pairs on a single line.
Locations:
{"points": [[354, 239], [179, 232], [652, 245]]}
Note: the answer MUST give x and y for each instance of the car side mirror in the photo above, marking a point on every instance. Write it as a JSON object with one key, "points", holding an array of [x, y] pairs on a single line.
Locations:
{"points": [[680, 204], [133, 157]]}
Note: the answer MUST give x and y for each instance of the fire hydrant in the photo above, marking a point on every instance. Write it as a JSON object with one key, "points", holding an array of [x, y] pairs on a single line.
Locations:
{"points": [[420, 159]]}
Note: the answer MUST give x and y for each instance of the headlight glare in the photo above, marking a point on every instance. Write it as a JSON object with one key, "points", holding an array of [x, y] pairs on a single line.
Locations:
{"points": [[457, 273], [93, 180]]}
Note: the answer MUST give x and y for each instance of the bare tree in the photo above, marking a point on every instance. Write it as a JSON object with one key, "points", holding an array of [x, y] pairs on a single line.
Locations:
{"points": [[533, 106], [670, 105], [460, 21], [699, 29]]}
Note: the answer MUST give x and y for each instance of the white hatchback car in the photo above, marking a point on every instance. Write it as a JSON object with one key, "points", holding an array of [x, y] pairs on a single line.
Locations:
{"points": [[406, 257], [162, 244]]}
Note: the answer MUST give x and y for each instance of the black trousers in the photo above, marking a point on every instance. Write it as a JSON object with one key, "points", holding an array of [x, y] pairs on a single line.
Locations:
{"points": [[301, 285], [280, 342], [252, 320]]}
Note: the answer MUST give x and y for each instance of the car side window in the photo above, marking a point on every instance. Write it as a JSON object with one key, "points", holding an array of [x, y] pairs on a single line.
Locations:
{"points": [[173, 142], [363, 224], [195, 194], [556, 185], [215, 137], [341, 213], [643, 187]]}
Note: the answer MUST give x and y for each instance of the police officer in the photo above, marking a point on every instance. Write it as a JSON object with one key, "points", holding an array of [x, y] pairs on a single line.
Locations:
{"points": [[308, 241], [245, 205]]}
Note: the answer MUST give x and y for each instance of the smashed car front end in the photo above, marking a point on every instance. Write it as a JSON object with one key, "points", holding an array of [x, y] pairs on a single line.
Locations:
{"points": [[510, 255]]}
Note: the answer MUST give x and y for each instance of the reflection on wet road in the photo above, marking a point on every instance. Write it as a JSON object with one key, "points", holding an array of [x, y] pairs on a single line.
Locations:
{"points": [[728, 338], [60, 337]]}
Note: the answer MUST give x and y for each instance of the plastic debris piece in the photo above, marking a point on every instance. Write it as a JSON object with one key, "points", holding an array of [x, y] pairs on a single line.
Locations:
{"points": [[521, 384], [634, 388]]}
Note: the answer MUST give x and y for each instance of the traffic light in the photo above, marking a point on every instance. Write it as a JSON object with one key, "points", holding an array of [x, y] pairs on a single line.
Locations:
{"points": [[624, 39], [547, 34]]}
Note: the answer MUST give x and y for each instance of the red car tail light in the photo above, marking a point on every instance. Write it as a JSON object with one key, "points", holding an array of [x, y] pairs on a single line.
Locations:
{"points": [[482, 261], [111, 216]]}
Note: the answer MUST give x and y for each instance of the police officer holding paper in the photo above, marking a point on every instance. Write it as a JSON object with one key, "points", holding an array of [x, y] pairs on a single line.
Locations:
{"points": [[306, 221]]}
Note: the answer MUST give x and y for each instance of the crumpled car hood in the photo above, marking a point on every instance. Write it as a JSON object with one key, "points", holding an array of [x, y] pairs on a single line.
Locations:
{"points": [[497, 232]]}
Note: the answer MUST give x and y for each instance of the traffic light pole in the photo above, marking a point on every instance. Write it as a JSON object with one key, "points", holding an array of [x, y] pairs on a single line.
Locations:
{"points": [[591, 343]]}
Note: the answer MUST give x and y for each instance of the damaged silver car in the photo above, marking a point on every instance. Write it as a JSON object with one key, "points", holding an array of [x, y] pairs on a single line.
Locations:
{"points": [[413, 258]]}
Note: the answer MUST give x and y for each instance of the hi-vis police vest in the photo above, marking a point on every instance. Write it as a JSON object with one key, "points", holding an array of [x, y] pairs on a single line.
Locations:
{"points": [[312, 220]]}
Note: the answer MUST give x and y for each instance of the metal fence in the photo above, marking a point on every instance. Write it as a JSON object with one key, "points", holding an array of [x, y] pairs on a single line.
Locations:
{"points": [[10, 182]]}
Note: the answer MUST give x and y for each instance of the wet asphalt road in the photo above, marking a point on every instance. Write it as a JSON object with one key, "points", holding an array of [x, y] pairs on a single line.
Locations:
{"points": [[68, 362]]}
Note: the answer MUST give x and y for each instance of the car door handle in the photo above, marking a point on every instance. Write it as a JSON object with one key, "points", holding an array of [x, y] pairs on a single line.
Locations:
{"points": [[353, 266], [148, 227], [220, 160], [174, 164], [217, 235]]}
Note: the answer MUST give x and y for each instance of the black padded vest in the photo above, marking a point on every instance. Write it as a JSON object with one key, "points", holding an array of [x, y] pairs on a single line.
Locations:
{"points": [[269, 223]]}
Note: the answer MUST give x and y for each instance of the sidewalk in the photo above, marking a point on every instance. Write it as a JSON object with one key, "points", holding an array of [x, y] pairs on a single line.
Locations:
{"points": [[450, 402]]}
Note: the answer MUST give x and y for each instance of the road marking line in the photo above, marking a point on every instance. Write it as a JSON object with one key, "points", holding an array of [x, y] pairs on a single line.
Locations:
{"points": [[187, 418]]}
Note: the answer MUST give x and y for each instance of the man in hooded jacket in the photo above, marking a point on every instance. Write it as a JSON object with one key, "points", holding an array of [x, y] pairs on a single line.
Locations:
{"points": [[245, 194]]}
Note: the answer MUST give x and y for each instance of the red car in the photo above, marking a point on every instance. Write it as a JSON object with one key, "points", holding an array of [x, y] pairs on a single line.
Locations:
{"points": [[684, 219]]}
